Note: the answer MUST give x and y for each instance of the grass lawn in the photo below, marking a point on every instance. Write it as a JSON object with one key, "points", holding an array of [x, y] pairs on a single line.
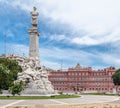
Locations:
{"points": [[99, 94], [37, 97]]}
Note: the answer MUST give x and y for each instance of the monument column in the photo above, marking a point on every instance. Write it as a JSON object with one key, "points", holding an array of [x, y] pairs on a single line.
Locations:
{"points": [[34, 36]]}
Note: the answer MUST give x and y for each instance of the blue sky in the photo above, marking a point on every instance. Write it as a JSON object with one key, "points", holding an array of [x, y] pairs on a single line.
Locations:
{"points": [[71, 31]]}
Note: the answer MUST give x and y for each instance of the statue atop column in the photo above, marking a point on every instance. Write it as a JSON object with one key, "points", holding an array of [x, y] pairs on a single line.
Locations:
{"points": [[34, 21], [34, 35]]}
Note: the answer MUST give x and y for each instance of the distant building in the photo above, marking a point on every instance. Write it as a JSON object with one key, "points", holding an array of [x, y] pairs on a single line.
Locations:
{"points": [[83, 79]]}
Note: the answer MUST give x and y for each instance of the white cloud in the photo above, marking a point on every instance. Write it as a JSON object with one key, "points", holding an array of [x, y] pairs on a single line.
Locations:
{"points": [[110, 59], [86, 40], [98, 39], [57, 37], [50, 64], [70, 57], [18, 49], [95, 17]]}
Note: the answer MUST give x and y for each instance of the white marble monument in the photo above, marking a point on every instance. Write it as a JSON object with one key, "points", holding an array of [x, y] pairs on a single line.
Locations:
{"points": [[34, 76]]}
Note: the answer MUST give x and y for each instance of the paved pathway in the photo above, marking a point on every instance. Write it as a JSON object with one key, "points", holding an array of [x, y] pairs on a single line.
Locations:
{"points": [[82, 100], [117, 101]]}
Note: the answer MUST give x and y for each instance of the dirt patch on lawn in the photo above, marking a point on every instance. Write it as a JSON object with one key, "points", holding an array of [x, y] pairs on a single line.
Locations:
{"points": [[95, 105]]}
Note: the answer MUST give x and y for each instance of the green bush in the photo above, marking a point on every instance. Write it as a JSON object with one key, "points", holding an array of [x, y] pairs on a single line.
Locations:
{"points": [[16, 88]]}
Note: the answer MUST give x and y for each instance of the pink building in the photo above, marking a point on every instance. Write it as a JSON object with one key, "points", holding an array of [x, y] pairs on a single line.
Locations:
{"points": [[84, 79]]}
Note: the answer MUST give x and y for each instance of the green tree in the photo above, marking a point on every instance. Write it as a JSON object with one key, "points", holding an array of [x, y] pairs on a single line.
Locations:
{"points": [[8, 72], [4, 77], [11, 65], [116, 77], [16, 88]]}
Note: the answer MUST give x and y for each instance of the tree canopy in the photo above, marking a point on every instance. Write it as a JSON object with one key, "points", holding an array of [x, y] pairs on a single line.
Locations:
{"points": [[8, 72], [116, 77]]}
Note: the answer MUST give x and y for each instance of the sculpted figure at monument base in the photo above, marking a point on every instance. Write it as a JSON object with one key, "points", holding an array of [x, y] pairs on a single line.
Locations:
{"points": [[33, 76]]}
